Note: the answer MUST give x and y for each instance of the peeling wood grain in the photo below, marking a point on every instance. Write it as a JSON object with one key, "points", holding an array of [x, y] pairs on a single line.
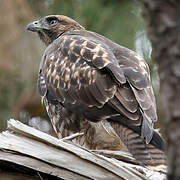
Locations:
{"points": [[39, 165], [30, 148]]}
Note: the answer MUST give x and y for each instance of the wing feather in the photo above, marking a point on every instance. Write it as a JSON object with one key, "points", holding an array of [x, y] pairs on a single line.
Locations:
{"points": [[127, 98], [79, 78]]}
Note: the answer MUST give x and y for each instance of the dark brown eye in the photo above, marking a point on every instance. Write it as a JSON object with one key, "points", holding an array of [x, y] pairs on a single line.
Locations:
{"points": [[53, 22]]}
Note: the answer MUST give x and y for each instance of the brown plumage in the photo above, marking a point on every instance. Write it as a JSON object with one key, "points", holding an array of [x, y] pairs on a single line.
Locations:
{"points": [[89, 83]]}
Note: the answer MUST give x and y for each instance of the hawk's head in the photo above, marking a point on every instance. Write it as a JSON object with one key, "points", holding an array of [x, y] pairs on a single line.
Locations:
{"points": [[51, 27]]}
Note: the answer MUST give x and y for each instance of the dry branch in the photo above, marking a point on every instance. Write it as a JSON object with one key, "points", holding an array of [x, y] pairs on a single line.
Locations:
{"points": [[41, 153]]}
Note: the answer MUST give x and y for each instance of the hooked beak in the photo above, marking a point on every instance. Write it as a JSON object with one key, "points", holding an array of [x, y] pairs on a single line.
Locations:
{"points": [[35, 26]]}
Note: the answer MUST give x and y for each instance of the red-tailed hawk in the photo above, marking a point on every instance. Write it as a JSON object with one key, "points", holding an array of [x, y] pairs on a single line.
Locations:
{"points": [[87, 82]]}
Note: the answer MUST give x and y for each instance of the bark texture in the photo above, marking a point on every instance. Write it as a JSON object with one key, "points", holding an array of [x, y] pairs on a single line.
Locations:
{"points": [[163, 25]]}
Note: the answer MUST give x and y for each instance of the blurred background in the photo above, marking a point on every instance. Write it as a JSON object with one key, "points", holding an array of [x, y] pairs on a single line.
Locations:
{"points": [[21, 51]]}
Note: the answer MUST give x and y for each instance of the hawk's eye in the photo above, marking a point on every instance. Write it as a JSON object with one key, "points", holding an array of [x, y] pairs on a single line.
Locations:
{"points": [[53, 22]]}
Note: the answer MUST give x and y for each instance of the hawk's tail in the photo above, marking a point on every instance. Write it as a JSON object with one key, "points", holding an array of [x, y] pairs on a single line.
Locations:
{"points": [[151, 154]]}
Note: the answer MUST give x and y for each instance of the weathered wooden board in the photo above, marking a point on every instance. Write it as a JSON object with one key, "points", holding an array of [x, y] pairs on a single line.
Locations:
{"points": [[28, 147]]}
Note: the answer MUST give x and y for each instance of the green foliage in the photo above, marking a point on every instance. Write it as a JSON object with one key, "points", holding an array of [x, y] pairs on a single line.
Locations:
{"points": [[116, 19]]}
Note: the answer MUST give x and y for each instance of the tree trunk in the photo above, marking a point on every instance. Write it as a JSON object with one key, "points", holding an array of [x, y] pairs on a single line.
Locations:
{"points": [[163, 26]]}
